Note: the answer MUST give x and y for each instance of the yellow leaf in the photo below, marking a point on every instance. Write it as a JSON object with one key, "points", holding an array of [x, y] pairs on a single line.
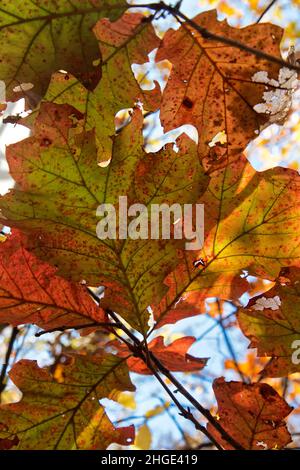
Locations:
{"points": [[58, 373], [143, 438], [127, 400], [157, 410], [227, 9]]}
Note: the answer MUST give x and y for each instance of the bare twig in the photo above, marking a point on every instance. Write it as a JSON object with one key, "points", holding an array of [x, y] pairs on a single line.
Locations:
{"points": [[13, 336], [80, 327], [268, 7], [185, 412]]}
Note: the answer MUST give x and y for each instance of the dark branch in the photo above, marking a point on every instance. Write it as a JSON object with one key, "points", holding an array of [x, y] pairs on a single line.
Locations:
{"points": [[268, 7], [13, 336], [80, 327]]}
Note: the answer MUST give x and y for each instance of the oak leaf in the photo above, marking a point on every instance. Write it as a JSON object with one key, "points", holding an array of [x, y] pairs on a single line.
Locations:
{"points": [[31, 292], [39, 38], [66, 415], [251, 226], [272, 324], [252, 414], [60, 186], [211, 85], [122, 43]]}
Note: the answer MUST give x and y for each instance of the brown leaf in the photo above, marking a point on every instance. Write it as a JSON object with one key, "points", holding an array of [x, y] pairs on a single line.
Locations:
{"points": [[271, 321], [174, 356], [211, 85], [252, 414]]}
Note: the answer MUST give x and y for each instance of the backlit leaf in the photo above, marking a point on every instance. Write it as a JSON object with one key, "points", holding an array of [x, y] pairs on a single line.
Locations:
{"points": [[41, 37], [66, 415], [122, 43], [251, 414], [252, 224], [60, 186], [31, 292], [211, 85], [271, 321], [174, 356]]}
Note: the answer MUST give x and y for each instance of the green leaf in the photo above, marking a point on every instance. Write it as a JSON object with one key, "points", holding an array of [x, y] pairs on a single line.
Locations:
{"points": [[251, 224], [271, 322], [41, 37], [60, 185], [122, 43], [64, 412]]}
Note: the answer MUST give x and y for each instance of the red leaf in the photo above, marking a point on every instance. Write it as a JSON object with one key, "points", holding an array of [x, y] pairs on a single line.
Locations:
{"points": [[7, 444], [174, 356], [252, 414], [31, 292]]}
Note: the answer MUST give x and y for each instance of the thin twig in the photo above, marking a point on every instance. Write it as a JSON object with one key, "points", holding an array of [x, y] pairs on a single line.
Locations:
{"points": [[80, 327], [174, 420], [13, 336], [229, 345], [206, 413], [268, 7], [186, 413]]}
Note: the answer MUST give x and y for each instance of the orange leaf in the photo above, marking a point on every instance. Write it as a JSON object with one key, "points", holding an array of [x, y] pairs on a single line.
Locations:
{"points": [[211, 85], [31, 292], [174, 356], [272, 324], [253, 415]]}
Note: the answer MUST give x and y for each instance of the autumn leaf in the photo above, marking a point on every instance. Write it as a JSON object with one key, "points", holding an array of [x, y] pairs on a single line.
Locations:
{"points": [[212, 85], [31, 292], [252, 414], [60, 186], [123, 43], [7, 444], [251, 224], [39, 38], [174, 356], [90, 211], [143, 438], [271, 322], [66, 415]]}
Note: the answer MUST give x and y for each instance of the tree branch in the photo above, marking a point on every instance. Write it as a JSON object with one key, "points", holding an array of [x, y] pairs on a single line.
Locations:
{"points": [[13, 336], [268, 7], [80, 327]]}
